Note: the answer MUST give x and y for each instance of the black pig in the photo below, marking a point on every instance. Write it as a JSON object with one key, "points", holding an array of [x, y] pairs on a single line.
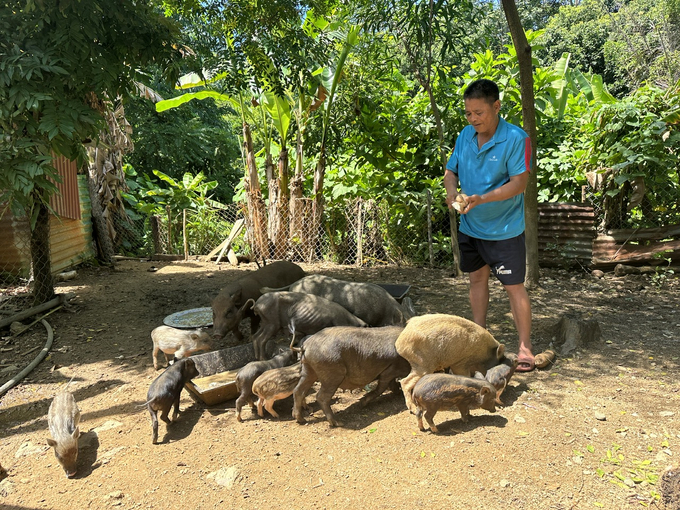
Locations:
{"points": [[348, 358], [165, 392]]}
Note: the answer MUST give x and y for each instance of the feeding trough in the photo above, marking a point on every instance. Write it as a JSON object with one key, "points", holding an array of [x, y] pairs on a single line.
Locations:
{"points": [[216, 381], [397, 290]]}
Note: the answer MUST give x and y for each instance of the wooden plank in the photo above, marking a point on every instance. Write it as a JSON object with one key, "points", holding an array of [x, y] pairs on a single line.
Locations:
{"points": [[235, 230], [630, 234], [630, 253]]}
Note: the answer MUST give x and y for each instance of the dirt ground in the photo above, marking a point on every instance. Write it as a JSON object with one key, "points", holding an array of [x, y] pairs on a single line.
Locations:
{"points": [[594, 430]]}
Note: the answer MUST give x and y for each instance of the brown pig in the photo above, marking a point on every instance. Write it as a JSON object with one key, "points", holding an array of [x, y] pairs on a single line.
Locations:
{"points": [[434, 392], [275, 384], [252, 371], [63, 418], [179, 342], [499, 376], [436, 342], [232, 303]]}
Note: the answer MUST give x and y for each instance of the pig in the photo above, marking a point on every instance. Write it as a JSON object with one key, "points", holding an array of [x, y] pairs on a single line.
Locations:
{"points": [[165, 392], [63, 418], [229, 307], [275, 384], [180, 342], [348, 358], [308, 312], [250, 372], [435, 342], [499, 376], [434, 392], [370, 302]]}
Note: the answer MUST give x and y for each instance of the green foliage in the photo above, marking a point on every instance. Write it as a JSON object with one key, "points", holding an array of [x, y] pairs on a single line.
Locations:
{"points": [[196, 139], [628, 141], [166, 198], [58, 60], [643, 45]]}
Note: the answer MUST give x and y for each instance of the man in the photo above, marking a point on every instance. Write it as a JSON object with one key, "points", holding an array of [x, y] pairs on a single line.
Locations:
{"points": [[491, 163]]}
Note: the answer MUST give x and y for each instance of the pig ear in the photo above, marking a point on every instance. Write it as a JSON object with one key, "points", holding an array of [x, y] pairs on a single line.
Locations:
{"points": [[500, 351], [237, 294], [76, 433], [484, 391], [51, 442], [193, 336]]}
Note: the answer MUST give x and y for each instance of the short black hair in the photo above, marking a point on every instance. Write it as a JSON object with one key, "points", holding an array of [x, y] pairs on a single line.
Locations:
{"points": [[482, 89]]}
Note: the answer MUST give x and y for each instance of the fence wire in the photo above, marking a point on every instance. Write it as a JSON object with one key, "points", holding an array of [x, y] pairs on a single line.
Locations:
{"points": [[353, 232]]}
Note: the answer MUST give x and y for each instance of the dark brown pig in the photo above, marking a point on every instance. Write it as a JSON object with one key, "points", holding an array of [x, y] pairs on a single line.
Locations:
{"points": [[499, 376], [436, 342], [165, 391], [231, 306], [309, 314], [370, 302], [178, 342], [434, 392], [63, 418], [273, 385], [250, 372], [348, 358]]}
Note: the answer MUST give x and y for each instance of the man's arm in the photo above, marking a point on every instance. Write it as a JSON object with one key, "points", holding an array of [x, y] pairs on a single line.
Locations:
{"points": [[451, 185], [515, 186]]}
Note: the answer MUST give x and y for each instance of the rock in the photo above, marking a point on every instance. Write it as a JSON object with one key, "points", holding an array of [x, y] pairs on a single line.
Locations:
{"points": [[597, 273], [16, 328], [225, 476], [519, 419], [629, 482], [572, 332], [504, 483], [9, 369], [107, 425], [666, 414], [114, 495], [600, 416], [29, 448], [670, 487]]}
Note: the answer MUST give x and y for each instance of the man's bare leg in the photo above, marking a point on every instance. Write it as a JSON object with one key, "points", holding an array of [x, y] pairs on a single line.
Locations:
{"points": [[479, 294], [520, 305]]}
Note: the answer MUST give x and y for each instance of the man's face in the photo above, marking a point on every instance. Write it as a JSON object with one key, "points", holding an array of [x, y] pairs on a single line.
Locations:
{"points": [[482, 115]]}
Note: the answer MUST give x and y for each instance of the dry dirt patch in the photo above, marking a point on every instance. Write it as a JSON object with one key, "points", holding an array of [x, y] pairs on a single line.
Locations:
{"points": [[592, 431]]}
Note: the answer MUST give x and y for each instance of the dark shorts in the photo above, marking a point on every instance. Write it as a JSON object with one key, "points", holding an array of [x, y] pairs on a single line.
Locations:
{"points": [[506, 258]]}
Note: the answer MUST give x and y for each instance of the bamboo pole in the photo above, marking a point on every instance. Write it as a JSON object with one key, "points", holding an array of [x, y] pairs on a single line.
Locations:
{"points": [[429, 228], [184, 234]]}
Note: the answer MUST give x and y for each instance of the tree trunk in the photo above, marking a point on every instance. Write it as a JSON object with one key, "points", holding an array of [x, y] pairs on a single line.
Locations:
{"points": [[99, 226], [296, 234], [43, 283], [529, 120], [256, 207], [317, 206], [280, 238]]}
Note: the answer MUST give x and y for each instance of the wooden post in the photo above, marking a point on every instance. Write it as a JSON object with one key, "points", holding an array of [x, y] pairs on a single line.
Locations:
{"points": [[167, 210], [184, 234], [360, 234], [156, 234], [429, 228]]}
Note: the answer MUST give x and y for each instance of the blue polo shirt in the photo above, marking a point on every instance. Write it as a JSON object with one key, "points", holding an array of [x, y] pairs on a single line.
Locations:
{"points": [[482, 170]]}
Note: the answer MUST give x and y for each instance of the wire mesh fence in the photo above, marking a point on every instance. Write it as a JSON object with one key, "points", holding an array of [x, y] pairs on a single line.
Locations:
{"points": [[354, 232]]}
